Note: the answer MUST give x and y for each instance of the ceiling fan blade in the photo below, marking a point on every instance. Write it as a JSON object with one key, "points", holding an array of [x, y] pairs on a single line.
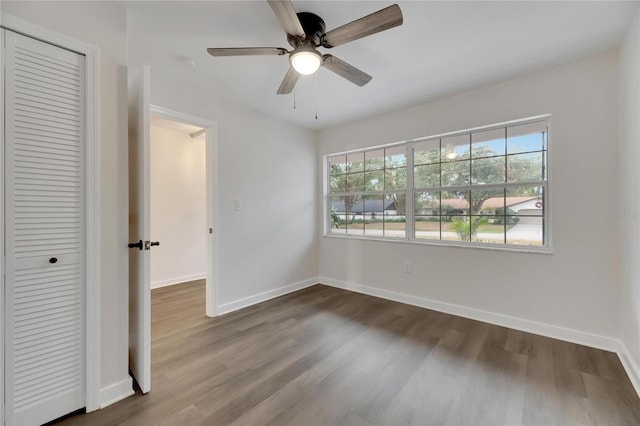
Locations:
{"points": [[246, 51], [289, 82], [287, 16], [381, 20], [345, 70]]}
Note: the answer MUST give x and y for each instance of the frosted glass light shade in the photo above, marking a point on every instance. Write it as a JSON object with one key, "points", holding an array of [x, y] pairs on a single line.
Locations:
{"points": [[305, 60]]}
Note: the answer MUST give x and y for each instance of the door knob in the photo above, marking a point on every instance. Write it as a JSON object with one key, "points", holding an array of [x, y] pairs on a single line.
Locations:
{"points": [[149, 244], [136, 245]]}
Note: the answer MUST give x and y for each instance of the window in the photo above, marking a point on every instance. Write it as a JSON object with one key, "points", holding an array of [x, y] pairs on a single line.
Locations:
{"points": [[368, 192], [484, 187]]}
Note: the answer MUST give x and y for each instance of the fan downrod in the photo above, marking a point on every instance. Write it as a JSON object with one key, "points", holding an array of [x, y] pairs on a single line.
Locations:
{"points": [[314, 29]]}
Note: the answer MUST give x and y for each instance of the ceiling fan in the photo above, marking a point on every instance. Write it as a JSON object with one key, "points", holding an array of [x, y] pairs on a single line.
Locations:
{"points": [[306, 32]]}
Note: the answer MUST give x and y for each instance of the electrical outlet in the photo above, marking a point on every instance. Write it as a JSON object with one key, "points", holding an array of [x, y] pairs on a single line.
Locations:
{"points": [[406, 267]]}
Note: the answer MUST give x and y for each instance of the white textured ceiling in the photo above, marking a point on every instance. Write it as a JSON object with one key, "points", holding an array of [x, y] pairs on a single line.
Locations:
{"points": [[442, 48]]}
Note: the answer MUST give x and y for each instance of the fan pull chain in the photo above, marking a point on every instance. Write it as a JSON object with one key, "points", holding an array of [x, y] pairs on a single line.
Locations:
{"points": [[316, 82], [294, 98]]}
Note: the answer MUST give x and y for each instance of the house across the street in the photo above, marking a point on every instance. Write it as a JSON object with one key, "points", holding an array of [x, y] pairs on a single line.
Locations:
{"points": [[366, 209]]}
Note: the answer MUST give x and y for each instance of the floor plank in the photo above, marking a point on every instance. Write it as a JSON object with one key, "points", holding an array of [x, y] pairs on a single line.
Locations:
{"points": [[324, 356]]}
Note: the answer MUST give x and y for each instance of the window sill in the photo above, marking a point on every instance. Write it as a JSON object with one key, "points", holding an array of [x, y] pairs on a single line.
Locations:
{"points": [[456, 244]]}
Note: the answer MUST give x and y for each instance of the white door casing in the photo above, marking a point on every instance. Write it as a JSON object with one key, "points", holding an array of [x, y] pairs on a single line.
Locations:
{"points": [[139, 227], [44, 231]]}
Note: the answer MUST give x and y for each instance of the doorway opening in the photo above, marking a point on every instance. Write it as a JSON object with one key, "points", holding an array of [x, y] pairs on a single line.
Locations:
{"points": [[178, 203], [183, 188], [179, 264]]}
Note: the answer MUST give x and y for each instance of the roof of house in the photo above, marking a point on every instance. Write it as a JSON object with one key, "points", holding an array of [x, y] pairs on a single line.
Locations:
{"points": [[496, 203], [490, 203], [365, 206]]}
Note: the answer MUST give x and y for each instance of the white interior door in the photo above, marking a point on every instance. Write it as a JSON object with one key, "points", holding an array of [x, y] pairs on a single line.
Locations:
{"points": [[139, 228], [45, 231]]}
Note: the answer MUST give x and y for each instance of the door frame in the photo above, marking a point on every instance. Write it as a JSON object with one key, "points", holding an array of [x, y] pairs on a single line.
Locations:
{"points": [[92, 202], [211, 172]]}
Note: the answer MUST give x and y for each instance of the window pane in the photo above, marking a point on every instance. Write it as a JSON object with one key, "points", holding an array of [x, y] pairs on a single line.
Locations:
{"points": [[426, 152], [455, 173], [355, 162], [395, 203], [455, 148], [427, 227], [487, 202], [394, 226], [338, 215], [374, 180], [427, 203], [427, 210], [487, 170], [338, 183], [337, 164], [339, 231], [482, 231], [394, 219], [395, 157], [355, 228], [355, 182], [526, 200], [374, 160], [525, 230], [455, 228], [488, 144], [525, 167], [395, 178], [527, 137], [426, 176], [525, 210], [370, 211], [454, 203], [353, 204]]}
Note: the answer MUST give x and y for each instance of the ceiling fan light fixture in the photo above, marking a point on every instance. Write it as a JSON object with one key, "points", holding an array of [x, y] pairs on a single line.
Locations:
{"points": [[305, 60]]}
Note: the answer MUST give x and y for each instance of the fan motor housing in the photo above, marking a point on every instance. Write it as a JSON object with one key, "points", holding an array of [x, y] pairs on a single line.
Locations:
{"points": [[313, 26]]}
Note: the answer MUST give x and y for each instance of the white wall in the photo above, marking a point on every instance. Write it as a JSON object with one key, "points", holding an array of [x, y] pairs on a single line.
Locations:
{"points": [[271, 167], [178, 207], [575, 287], [103, 24], [629, 207]]}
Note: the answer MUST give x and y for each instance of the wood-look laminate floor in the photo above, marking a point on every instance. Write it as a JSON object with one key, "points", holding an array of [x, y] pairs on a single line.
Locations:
{"points": [[324, 356]]}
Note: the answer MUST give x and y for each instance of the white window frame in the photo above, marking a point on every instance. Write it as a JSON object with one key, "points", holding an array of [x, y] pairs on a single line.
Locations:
{"points": [[547, 248]]}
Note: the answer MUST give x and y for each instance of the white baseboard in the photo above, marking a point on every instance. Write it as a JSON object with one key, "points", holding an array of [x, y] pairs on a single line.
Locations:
{"points": [[178, 280], [116, 392], [261, 297], [630, 365], [548, 330]]}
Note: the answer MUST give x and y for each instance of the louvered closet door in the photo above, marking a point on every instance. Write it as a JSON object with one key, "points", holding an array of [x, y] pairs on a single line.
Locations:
{"points": [[44, 157]]}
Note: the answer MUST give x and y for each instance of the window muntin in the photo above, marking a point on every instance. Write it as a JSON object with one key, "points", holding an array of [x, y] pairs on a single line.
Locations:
{"points": [[483, 187]]}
